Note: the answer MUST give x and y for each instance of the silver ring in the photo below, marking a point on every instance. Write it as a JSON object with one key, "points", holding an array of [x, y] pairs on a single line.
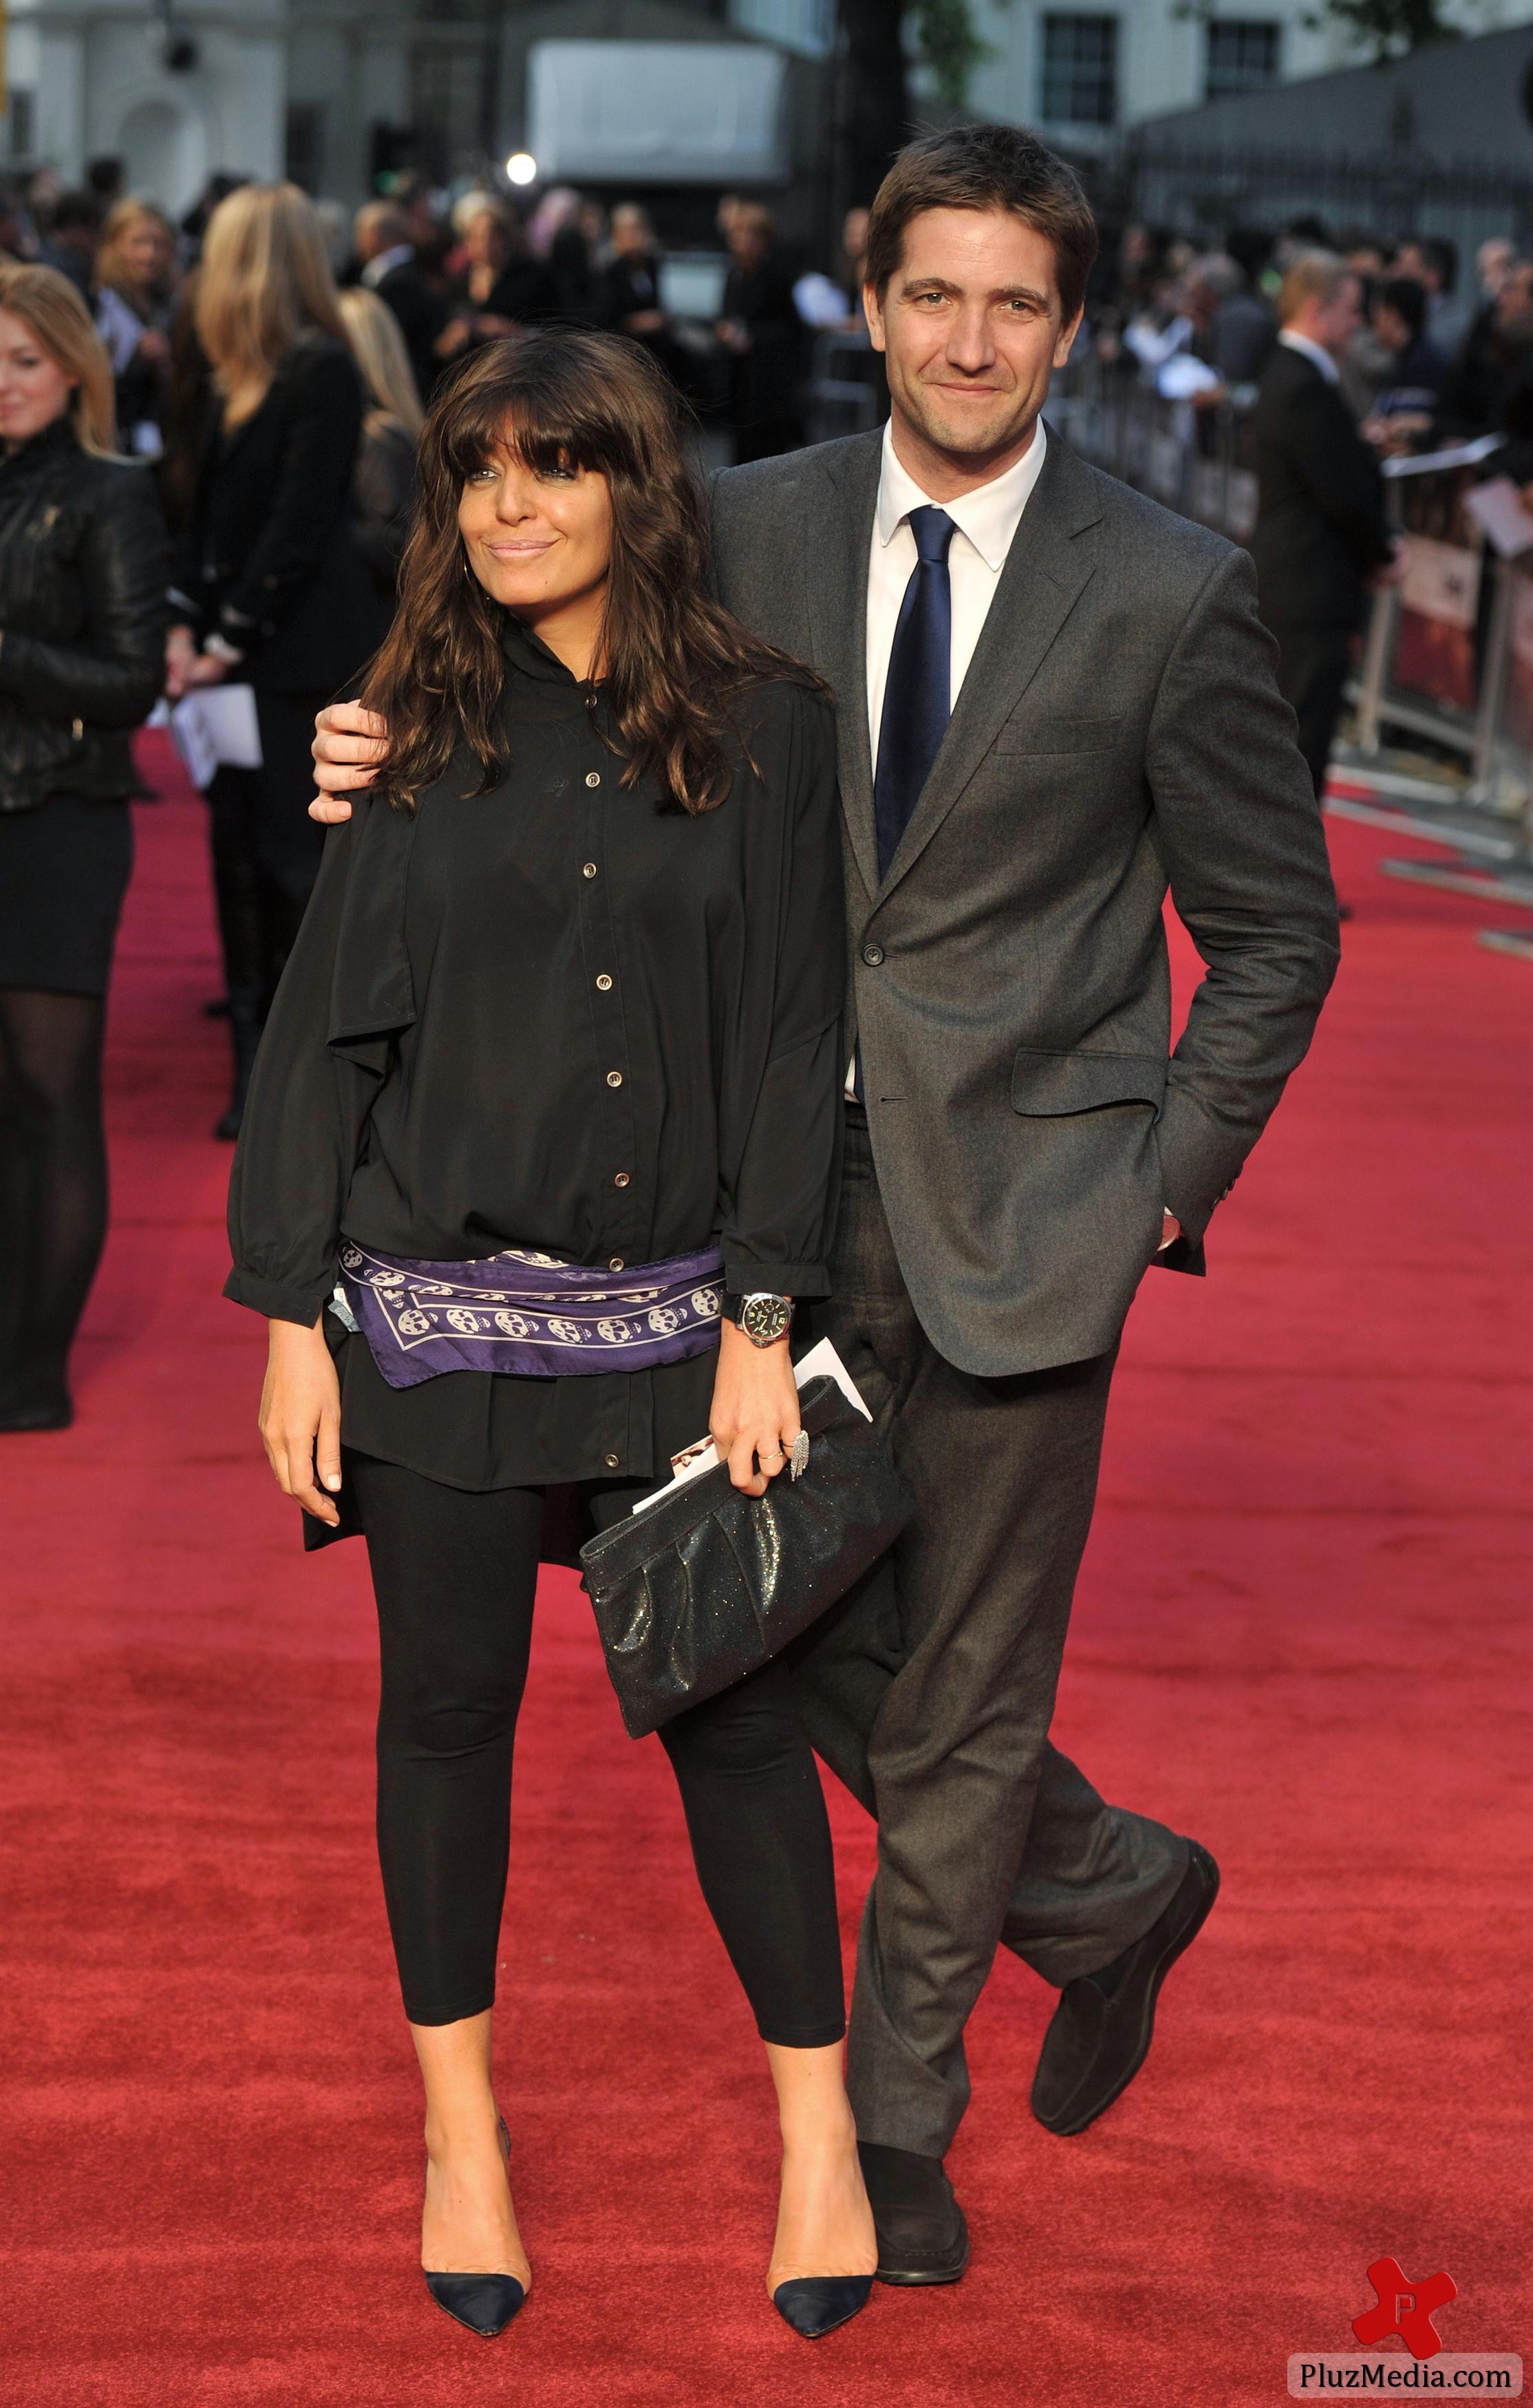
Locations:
{"points": [[798, 1455]]}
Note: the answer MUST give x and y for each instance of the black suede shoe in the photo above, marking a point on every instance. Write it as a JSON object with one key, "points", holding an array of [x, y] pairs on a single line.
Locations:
{"points": [[922, 2234], [40, 1409], [1104, 2022]]}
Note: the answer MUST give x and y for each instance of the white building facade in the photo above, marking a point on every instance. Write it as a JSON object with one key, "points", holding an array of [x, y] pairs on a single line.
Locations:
{"points": [[312, 87], [1084, 72]]}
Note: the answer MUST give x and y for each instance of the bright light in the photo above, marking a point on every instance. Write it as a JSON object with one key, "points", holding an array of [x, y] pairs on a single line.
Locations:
{"points": [[521, 167]]}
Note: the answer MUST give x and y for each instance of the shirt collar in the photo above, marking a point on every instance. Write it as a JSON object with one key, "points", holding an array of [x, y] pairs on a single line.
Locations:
{"points": [[989, 516], [385, 263], [1314, 352]]}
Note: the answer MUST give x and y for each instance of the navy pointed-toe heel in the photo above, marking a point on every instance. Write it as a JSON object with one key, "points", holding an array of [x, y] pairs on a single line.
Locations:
{"points": [[483, 2303], [815, 2305]]}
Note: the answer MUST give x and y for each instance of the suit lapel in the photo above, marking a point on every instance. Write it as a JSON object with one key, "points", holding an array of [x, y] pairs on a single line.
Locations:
{"points": [[843, 497], [1046, 571]]}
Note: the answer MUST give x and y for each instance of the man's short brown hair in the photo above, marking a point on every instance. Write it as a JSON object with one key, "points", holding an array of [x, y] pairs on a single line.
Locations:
{"points": [[986, 168]]}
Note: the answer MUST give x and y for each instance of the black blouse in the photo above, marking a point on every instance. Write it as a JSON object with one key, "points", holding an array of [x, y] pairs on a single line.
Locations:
{"points": [[558, 1016]]}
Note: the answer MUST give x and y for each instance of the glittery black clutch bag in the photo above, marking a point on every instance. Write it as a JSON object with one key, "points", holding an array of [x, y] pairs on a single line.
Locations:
{"points": [[709, 1585]]}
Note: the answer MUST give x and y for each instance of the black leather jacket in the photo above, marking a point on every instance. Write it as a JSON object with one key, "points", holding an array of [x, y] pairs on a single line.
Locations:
{"points": [[83, 619]]}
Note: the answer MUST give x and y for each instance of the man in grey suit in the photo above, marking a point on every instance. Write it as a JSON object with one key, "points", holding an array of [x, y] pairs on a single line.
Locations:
{"points": [[1056, 699]]}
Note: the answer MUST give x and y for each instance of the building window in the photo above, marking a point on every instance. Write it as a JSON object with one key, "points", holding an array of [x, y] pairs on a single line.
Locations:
{"points": [[448, 91], [306, 130], [1079, 70], [22, 123], [1242, 56]]}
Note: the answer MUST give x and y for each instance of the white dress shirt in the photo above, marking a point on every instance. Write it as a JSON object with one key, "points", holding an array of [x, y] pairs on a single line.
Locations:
{"points": [[385, 263], [1316, 353], [986, 521]]}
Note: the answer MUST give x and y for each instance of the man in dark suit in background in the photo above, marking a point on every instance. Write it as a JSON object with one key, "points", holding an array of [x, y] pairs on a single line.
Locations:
{"points": [[1052, 696], [390, 269], [1321, 535]]}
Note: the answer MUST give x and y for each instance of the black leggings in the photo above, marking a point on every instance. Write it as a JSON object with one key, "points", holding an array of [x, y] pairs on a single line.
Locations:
{"points": [[53, 1182], [454, 1572]]}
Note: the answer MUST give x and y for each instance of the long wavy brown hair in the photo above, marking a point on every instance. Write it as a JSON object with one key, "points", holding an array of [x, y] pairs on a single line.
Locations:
{"points": [[672, 663]]}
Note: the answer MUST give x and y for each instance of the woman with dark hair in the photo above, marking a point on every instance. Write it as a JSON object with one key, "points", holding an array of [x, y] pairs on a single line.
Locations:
{"points": [[502, 287], [82, 555], [568, 994]]}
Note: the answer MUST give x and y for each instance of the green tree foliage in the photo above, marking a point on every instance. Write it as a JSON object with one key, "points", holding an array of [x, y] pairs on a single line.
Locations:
{"points": [[948, 42], [1393, 26]]}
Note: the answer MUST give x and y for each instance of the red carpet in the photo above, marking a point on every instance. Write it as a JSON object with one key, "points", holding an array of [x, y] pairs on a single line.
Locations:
{"points": [[1300, 1635]]}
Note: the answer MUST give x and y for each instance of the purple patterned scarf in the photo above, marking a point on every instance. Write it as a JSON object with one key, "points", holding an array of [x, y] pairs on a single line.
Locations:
{"points": [[527, 1313]]}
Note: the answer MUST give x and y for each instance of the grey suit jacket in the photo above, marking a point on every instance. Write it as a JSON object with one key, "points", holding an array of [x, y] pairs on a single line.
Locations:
{"points": [[1120, 730]]}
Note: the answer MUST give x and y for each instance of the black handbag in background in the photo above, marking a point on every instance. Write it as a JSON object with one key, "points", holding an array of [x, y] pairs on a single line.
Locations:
{"points": [[709, 1583]]}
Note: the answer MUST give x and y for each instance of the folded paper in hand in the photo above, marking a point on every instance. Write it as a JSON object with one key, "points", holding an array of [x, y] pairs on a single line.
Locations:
{"points": [[215, 727], [695, 1460]]}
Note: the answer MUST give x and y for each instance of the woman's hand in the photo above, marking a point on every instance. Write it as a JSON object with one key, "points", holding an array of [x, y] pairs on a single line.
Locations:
{"points": [[348, 744], [180, 652], [186, 667], [300, 1416], [755, 1419]]}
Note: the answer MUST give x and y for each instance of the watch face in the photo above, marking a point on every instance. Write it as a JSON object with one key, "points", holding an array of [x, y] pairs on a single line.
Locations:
{"points": [[764, 1318]]}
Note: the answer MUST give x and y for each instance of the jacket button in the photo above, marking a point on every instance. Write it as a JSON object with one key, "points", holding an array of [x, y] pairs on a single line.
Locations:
{"points": [[588, 869], [616, 1263], [611, 1461], [604, 984], [620, 1178], [592, 777], [614, 1078], [872, 955]]}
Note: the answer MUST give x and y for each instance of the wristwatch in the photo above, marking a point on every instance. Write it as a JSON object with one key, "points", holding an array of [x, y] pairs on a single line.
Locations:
{"points": [[763, 1317]]}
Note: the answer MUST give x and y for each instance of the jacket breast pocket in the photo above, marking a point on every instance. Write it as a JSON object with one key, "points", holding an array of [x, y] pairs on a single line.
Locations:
{"points": [[1047, 1086], [1035, 736]]}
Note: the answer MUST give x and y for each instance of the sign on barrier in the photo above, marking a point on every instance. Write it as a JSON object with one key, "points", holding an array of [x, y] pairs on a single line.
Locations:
{"points": [[1434, 638]]}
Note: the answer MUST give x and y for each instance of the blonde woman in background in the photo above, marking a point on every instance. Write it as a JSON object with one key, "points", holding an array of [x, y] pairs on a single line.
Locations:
{"points": [[82, 567], [384, 484], [136, 299], [269, 588]]}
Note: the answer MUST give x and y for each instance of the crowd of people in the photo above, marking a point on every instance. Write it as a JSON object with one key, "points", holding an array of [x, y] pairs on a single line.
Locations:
{"points": [[454, 272], [1333, 352], [1426, 359]]}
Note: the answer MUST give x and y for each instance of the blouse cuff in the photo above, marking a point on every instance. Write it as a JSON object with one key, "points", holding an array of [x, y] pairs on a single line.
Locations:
{"points": [[743, 1275], [277, 1304]]}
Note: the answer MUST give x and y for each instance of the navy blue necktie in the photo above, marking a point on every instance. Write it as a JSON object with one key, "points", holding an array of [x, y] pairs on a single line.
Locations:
{"points": [[917, 695]]}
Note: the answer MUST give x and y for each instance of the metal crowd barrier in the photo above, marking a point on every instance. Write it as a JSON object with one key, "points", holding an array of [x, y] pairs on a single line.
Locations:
{"points": [[1185, 457], [844, 392], [1447, 658]]}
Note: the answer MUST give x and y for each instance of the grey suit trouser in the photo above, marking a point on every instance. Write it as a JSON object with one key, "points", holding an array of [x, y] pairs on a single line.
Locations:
{"points": [[929, 1692]]}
